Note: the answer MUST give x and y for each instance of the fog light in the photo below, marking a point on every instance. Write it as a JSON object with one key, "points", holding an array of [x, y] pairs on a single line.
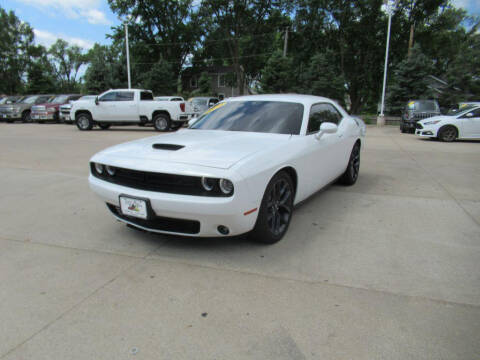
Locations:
{"points": [[110, 170], [99, 168], [223, 230]]}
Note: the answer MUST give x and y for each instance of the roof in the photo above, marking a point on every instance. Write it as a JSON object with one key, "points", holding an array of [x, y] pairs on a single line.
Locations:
{"points": [[282, 97], [128, 90]]}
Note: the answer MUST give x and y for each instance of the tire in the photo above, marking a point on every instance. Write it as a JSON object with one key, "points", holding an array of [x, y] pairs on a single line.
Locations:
{"points": [[350, 175], [104, 126], [275, 210], [448, 133], [161, 122], [26, 118], [84, 121], [402, 129]]}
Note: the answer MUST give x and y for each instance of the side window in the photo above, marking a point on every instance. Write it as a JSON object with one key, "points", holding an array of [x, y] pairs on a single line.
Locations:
{"points": [[73, 98], [124, 96], [320, 113], [145, 96], [476, 113], [212, 102], [111, 96], [41, 100]]}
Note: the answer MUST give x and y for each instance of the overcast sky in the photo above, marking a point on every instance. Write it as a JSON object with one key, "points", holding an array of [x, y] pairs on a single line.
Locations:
{"points": [[84, 22]]}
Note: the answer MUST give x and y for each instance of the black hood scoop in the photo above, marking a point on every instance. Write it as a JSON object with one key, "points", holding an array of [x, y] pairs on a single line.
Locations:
{"points": [[171, 147]]}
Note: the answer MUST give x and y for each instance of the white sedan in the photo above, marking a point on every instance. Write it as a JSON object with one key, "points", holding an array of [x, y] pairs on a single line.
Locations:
{"points": [[465, 124], [239, 169]]}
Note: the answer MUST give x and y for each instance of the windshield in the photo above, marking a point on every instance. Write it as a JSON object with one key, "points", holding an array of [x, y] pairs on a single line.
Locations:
{"points": [[464, 110], [59, 99], [29, 100], [422, 105], [274, 117]]}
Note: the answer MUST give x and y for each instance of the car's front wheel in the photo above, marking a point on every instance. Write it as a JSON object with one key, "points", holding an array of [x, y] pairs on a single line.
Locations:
{"points": [[350, 175], [84, 121], [448, 133], [275, 210]]}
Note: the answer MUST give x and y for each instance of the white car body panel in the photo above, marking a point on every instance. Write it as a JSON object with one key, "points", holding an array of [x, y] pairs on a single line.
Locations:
{"points": [[248, 159], [467, 127]]}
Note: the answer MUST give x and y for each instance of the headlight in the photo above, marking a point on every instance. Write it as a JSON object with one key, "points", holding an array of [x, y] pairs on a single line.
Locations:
{"points": [[110, 170], [99, 168], [226, 186], [208, 183], [432, 122]]}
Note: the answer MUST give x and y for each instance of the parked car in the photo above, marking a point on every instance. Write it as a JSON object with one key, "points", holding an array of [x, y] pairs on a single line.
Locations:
{"points": [[461, 106], [201, 104], [127, 107], [6, 100], [65, 108], [21, 109], [463, 125], [50, 111], [240, 169], [416, 110]]}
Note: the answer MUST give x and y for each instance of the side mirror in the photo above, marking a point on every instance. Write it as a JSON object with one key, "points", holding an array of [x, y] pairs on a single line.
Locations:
{"points": [[96, 100], [326, 128]]}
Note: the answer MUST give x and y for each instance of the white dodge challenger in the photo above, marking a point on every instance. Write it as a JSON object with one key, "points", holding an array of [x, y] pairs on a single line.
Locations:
{"points": [[240, 168]]}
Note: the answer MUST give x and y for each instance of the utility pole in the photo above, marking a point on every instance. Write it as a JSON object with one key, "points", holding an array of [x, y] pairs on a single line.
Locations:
{"points": [[381, 118], [285, 44], [128, 56]]}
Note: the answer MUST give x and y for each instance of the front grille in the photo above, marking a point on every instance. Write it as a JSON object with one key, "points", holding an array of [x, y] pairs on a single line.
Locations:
{"points": [[420, 116], [160, 182], [160, 223], [418, 126]]}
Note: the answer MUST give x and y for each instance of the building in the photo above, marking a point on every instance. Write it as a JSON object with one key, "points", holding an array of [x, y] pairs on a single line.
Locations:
{"points": [[222, 81]]}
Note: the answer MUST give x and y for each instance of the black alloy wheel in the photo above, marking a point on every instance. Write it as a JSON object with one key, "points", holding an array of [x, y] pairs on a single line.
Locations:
{"points": [[275, 211], [448, 133], [350, 175]]}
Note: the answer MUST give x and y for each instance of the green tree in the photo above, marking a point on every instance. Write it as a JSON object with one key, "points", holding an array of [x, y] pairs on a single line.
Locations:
{"points": [[16, 41], [40, 73], [322, 77], [410, 79], [67, 61], [160, 78], [278, 76], [106, 69]]}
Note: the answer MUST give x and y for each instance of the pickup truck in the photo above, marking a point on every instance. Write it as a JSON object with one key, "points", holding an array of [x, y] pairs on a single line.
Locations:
{"points": [[128, 107]]}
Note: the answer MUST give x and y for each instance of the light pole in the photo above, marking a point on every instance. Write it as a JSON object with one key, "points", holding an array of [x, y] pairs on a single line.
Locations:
{"points": [[128, 55], [390, 8]]}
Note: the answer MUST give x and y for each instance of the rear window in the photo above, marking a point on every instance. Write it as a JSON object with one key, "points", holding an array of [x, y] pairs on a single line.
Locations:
{"points": [[200, 101], [146, 95]]}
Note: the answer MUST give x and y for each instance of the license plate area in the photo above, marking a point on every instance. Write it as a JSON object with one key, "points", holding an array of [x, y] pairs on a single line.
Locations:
{"points": [[135, 207]]}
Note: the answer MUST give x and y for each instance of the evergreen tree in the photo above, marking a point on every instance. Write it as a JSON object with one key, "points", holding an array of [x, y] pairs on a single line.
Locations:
{"points": [[410, 80], [278, 75], [160, 78]]}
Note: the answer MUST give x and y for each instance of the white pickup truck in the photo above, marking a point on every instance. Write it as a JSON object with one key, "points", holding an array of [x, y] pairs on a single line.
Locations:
{"points": [[128, 107]]}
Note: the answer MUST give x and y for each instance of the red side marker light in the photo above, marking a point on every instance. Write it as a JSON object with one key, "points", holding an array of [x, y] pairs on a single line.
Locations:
{"points": [[249, 212]]}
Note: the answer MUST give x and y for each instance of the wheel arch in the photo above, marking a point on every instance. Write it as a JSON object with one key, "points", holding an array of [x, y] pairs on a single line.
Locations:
{"points": [[78, 112], [161, 112], [290, 170], [448, 125]]}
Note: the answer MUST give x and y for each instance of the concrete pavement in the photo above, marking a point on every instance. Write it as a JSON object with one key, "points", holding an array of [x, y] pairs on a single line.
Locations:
{"points": [[388, 268]]}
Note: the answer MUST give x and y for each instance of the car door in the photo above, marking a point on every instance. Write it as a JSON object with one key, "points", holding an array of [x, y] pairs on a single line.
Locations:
{"points": [[471, 124], [104, 110], [125, 107], [323, 157]]}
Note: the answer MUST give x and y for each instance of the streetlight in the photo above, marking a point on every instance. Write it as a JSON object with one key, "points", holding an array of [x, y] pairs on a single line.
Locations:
{"points": [[128, 55], [390, 6]]}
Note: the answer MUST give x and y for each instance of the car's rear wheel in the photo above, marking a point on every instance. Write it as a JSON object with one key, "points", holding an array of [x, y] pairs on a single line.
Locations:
{"points": [[275, 210], [84, 121], [104, 126], [448, 133], [350, 175], [161, 122]]}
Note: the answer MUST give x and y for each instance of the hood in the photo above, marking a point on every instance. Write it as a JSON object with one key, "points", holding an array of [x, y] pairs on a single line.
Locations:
{"points": [[436, 118], [210, 148]]}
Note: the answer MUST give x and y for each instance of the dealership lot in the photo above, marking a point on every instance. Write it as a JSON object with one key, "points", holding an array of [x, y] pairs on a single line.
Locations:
{"points": [[387, 269]]}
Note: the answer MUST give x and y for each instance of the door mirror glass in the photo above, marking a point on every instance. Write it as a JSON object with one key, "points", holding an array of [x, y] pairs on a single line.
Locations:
{"points": [[96, 100]]}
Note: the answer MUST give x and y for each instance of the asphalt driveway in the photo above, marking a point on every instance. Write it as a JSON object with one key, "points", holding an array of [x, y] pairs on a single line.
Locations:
{"points": [[386, 269]]}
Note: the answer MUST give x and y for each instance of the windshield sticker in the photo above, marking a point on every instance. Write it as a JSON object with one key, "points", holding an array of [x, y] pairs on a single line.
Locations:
{"points": [[214, 108]]}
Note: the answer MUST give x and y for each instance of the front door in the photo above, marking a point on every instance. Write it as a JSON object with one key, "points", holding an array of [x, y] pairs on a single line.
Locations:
{"points": [[471, 124]]}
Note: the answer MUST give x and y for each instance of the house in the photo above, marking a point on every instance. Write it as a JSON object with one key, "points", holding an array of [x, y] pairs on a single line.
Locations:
{"points": [[222, 81]]}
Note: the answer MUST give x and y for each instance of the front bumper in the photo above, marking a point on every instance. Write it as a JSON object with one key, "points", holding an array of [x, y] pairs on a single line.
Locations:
{"points": [[11, 116], [409, 124], [425, 132], [209, 212], [42, 116], [183, 118], [65, 117]]}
